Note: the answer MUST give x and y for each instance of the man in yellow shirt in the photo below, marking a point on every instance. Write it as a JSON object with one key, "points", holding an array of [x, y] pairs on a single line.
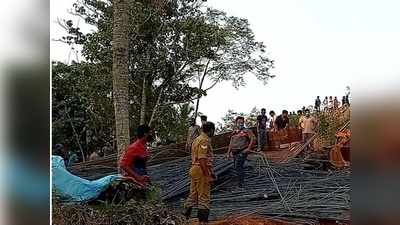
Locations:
{"points": [[201, 175]]}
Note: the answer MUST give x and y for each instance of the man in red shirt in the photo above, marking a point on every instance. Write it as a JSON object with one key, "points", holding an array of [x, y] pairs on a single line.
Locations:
{"points": [[133, 161]]}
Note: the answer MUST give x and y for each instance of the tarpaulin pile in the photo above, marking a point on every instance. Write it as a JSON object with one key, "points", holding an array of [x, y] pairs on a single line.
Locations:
{"points": [[71, 188]]}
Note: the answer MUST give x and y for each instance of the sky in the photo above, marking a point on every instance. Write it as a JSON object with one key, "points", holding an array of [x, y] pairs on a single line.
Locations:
{"points": [[319, 48]]}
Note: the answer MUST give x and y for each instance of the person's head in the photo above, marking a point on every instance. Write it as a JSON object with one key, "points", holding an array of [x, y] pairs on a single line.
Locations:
{"points": [[330, 97], [263, 111], [299, 112], [58, 149], [335, 97], [271, 113], [208, 128], [203, 119], [285, 113], [145, 132], [239, 122], [317, 97], [307, 112], [326, 97]]}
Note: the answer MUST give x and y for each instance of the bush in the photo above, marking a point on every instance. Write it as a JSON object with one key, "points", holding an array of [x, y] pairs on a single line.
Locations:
{"points": [[130, 213]]}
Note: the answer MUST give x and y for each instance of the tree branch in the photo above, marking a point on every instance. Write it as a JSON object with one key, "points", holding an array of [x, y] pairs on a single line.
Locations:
{"points": [[179, 102], [156, 106], [75, 133], [215, 83]]}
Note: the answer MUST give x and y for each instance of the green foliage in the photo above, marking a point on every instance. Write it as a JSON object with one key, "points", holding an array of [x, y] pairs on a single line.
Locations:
{"points": [[132, 212], [171, 48], [172, 126], [153, 194], [330, 123], [80, 99], [294, 120], [228, 121]]}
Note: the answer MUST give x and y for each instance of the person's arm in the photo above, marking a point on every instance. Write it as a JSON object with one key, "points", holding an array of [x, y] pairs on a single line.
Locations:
{"points": [[188, 139], [204, 167], [229, 153], [203, 159], [316, 124], [275, 123], [134, 175], [126, 166], [258, 121], [300, 122], [252, 141]]}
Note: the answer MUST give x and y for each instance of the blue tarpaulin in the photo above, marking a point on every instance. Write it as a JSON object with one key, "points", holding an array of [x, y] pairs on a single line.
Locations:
{"points": [[73, 188]]}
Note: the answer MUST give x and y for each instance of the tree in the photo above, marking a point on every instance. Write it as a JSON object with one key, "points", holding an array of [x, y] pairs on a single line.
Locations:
{"points": [[120, 72], [230, 52], [81, 97], [168, 50], [228, 121]]}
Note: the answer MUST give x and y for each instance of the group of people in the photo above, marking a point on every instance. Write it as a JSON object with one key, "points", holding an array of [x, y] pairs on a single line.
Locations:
{"points": [[242, 141], [133, 161], [71, 157], [331, 103]]}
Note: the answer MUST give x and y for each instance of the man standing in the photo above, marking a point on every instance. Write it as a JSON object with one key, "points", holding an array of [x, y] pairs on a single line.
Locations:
{"points": [[242, 140], [343, 101], [194, 131], [309, 125], [133, 161], [281, 123], [347, 100], [282, 120], [325, 103], [201, 175], [261, 130], [330, 104], [318, 104], [335, 103], [272, 120]]}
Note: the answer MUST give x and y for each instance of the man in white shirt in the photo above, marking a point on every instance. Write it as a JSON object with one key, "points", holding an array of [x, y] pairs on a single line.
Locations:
{"points": [[325, 104], [308, 125], [272, 120]]}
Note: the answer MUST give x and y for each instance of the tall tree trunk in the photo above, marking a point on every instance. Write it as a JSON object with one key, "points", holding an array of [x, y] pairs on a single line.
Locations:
{"points": [[120, 46], [143, 103], [200, 87], [153, 114], [197, 107]]}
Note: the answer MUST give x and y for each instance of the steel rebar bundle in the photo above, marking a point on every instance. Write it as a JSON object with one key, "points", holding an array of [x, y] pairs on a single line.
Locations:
{"points": [[304, 193]]}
